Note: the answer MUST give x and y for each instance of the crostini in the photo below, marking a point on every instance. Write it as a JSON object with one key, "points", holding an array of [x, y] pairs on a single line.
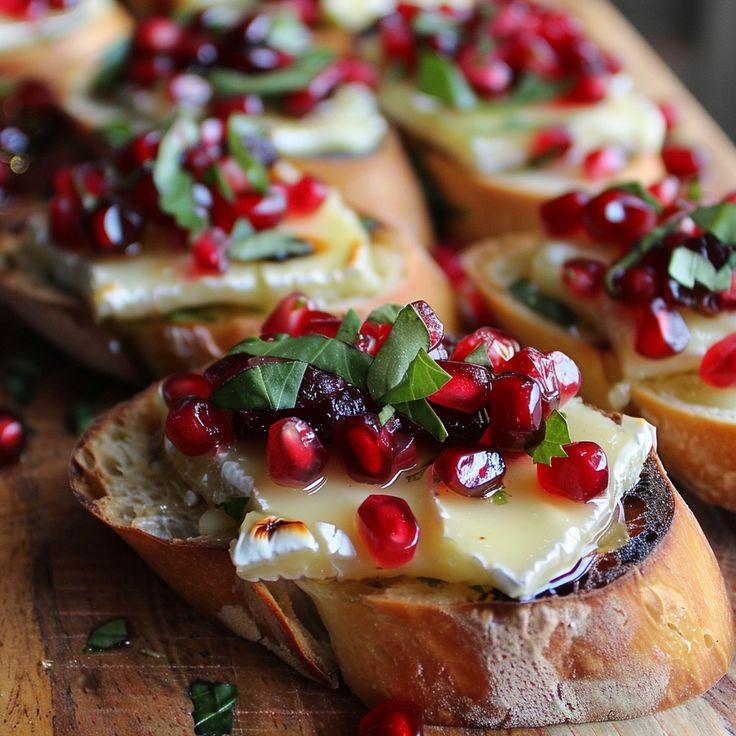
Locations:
{"points": [[317, 103], [163, 257], [553, 570], [637, 287], [508, 104]]}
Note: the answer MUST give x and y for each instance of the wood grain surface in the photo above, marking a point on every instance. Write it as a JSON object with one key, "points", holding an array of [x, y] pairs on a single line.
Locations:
{"points": [[63, 572]]}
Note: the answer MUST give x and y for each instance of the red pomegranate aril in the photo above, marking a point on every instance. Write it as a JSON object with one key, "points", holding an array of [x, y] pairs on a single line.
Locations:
{"points": [[226, 368], [472, 471], [718, 368], [682, 162], [263, 211], [671, 114], [115, 227], [65, 216], [12, 437], [569, 378], [619, 217], [487, 74], [223, 107], [208, 253], [366, 449], [372, 336], [498, 346], [580, 476], [180, 385], [189, 90], [588, 89], [604, 162], [289, 315], [637, 284], [389, 530], [660, 331], [196, 427], [294, 454], [393, 718], [157, 35], [141, 149], [583, 277], [562, 216], [306, 196], [550, 143], [321, 323], [397, 40], [529, 54], [435, 328], [302, 102], [468, 387], [666, 191], [541, 368], [356, 71], [147, 70], [516, 412]]}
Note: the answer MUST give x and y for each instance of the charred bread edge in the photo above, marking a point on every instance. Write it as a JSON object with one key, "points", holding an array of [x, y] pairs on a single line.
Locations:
{"points": [[694, 442], [131, 350]]}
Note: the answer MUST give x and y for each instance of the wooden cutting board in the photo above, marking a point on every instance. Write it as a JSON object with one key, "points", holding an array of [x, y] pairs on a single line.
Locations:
{"points": [[62, 572]]}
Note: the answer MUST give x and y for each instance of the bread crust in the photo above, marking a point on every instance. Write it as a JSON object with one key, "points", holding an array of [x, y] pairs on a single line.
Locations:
{"points": [[156, 347]]}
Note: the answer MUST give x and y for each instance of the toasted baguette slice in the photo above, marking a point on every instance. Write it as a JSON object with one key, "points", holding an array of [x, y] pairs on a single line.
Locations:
{"points": [[649, 625], [155, 347], [695, 441]]}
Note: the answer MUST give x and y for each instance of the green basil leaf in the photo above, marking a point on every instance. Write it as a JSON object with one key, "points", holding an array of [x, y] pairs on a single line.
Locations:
{"points": [[267, 386], [720, 219], [533, 88], [441, 78], [281, 81], [241, 229], [110, 635], [556, 434], [385, 414], [422, 378], [235, 507], [635, 188], [349, 328], [325, 353], [111, 66], [213, 707], [117, 132], [191, 314], [408, 336], [386, 314], [369, 223], [428, 22], [420, 412], [275, 245], [546, 306], [239, 129], [688, 268], [220, 180], [479, 356], [175, 185], [694, 190]]}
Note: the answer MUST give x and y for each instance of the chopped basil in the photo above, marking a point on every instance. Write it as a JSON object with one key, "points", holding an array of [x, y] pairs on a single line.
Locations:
{"points": [[479, 356], [272, 386], [213, 707], [386, 314], [546, 306], [369, 223], [421, 413], [111, 66], [556, 434], [282, 81], [441, 78], [175, 186], [239, 129], [431, 582], [215, 175], [694, 190], [117, 132], [422, 378], [720, 220], [287, 33], [350, 327], [500, 498], [235, 507], [533, 88], [385, 414], [277, 245], [688, 268], [109, 635], [191, 314], [635, 188], [325, 353]]}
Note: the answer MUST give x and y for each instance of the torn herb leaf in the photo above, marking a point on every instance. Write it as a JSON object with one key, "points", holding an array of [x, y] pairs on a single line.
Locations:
{"points": [[440, 77], [213, 707], [349, 328], [276, 245], [386, 314], [546, 306], [720, 220], [235, 507], [385, 414], [110, 635], [635, 188], [423, 377], [241, 128], [556, 434], [420, 412], [271, 386], [689, 268]]}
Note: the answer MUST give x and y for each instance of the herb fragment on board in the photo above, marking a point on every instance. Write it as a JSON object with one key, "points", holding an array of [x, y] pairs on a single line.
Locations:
{"points": [[213, 707], [556, 434], [110, 635]]}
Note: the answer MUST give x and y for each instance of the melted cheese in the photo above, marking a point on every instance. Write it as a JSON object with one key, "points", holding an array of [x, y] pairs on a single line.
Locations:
{"points": [[357, 15], [344, 265], [518, 547]]}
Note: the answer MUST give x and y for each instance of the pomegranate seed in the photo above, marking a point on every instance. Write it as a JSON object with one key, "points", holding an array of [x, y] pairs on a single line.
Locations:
{"points": [[718, 368], [587, 90], [526, 53], [294, 453], [580, 476], [196, 427], [65, 215], [637, 284], [371, 337], [617, 216], [487, 74], [263, 211], [666, 191], [181, 385], [226, 368], [562, 216], [306, 196], [541, 368], [223, 107], [583, 277], [550, 143], [569, 378], [190, 90], [670, 113], [682, 162], [147, 70], [302, 102], [468, 388], [389, 530], [397, 40], [356, 71], [157, 35], [115, 227], [435, 328], [372, 453], [12, 437], [321, 323], [660, 331], [499, 347], [289, 315], [208, 253], [141, 149], [393, 718], [470, 471], [604, 162], [516, 412]]}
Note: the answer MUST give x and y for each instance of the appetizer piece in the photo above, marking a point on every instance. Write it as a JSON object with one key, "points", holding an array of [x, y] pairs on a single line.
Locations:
{"points": [[317, 104], [510, 104], [163, 257], [58, 42], [409, 481], [637, 286]]}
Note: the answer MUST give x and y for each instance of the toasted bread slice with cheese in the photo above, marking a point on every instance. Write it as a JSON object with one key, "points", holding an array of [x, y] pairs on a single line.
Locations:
{"points": [[647, 627]]}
